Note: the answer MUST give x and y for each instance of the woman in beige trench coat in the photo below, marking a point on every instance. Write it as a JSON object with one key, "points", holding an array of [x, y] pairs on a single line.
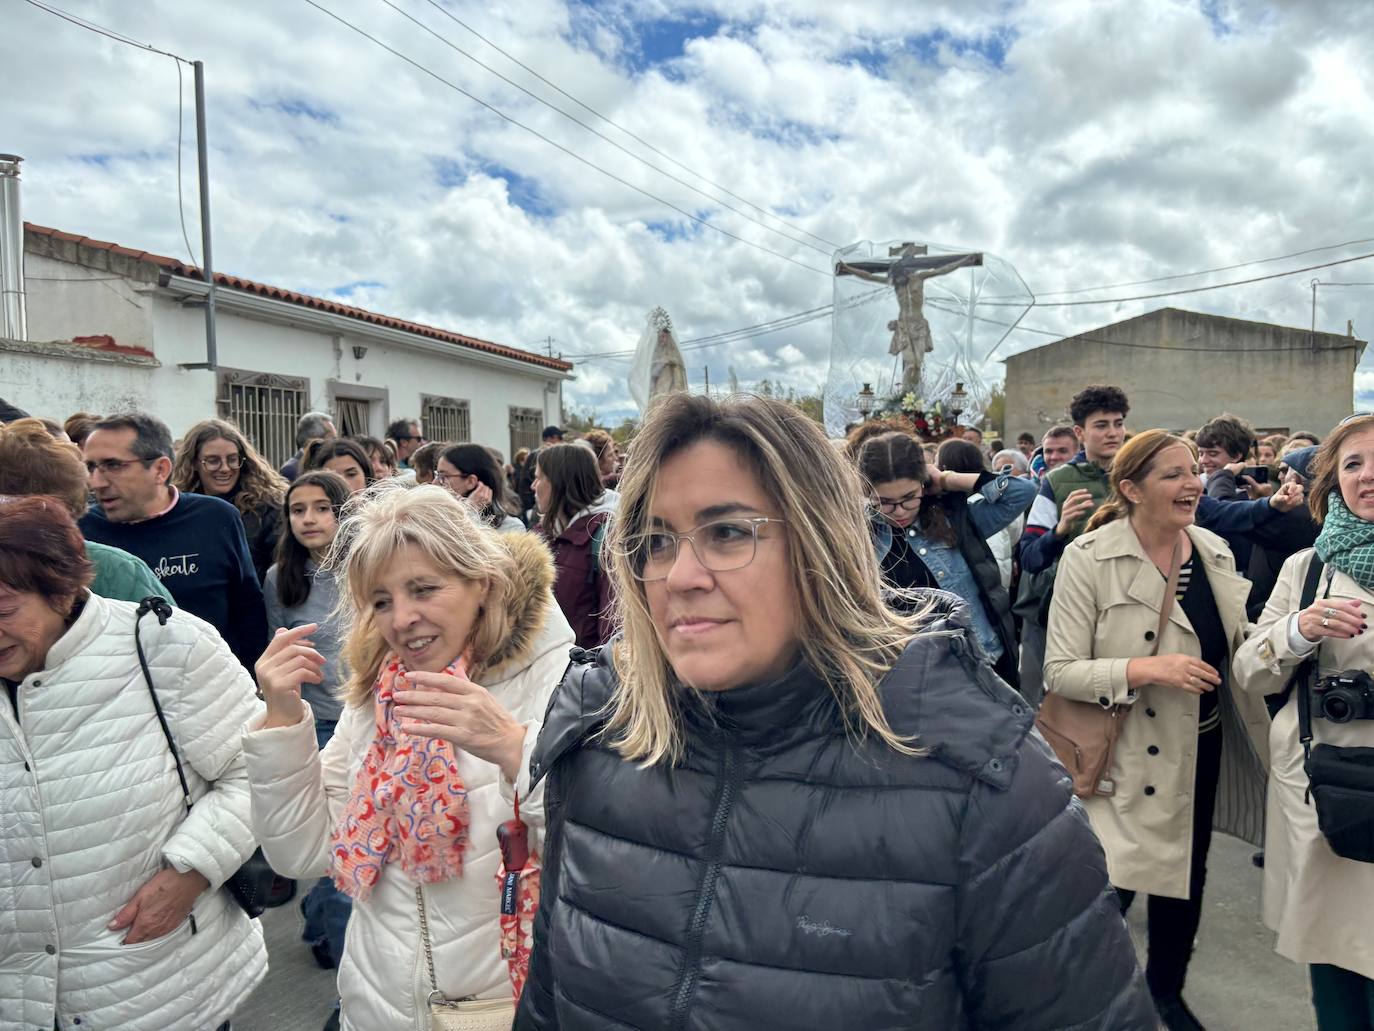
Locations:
{"points": [[1321, 905], [1187, 756]]}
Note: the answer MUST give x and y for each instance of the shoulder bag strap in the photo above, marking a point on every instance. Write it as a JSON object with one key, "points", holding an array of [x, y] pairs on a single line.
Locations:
{"points": [[1170, 592], [163, 612]]}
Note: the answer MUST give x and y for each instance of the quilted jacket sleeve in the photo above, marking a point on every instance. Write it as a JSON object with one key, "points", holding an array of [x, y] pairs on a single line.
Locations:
{"points": [[1041, 941], [298, 792], [206, 704]]}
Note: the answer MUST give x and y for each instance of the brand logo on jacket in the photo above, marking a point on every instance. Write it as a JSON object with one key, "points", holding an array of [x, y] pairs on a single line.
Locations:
{"points": [[175, 565], [824, 929]]}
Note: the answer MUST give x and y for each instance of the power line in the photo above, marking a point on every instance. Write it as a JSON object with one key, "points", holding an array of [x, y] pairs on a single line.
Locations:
{"points": [[797, 318], [598, 134], [91, 26], [1191, 290], [1207, 271], [553, 143], [638, 139]]}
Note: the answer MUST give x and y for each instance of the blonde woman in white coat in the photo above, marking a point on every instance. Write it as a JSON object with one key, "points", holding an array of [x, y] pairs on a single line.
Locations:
{"points": [[110, 910], [455, 646], [1186, 758], [1321, 905]]}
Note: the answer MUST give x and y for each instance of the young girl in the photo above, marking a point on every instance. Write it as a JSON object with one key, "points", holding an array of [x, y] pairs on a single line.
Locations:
{"points": [[297, 593]]}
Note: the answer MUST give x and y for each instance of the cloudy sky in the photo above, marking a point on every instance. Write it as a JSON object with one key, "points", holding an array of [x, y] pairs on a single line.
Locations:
{"points": [[1087, 142]]}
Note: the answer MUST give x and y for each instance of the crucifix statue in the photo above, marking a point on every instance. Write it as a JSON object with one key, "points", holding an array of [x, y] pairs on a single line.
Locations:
{"points": [[907, 273]]}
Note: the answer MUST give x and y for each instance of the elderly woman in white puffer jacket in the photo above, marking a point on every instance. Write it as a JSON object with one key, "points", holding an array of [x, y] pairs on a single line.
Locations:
{"points": [[455, 646], [110, 910]]}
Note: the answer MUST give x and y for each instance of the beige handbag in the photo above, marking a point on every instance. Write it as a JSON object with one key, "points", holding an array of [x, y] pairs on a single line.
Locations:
{"points": [[1084, 734], [460, 1014]]}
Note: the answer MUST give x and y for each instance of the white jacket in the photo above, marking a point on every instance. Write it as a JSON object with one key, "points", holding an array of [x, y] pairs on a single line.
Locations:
{"points": [[299, 794], [90, 807], [1321, 905]]}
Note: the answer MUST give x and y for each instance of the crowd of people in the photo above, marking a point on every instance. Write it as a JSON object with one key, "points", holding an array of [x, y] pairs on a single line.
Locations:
{"points": [[895, 740]]}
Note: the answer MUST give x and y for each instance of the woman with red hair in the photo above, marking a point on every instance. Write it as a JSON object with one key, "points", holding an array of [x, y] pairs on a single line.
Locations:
{"points": [[116, 914]]}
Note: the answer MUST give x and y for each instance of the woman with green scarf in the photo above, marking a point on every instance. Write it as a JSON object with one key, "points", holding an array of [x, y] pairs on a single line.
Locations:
{"points": [[1321, 905]]}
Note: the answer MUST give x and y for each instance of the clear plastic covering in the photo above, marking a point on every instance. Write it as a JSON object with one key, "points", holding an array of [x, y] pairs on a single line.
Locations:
{"points": [[912, 320], [657, 367]]}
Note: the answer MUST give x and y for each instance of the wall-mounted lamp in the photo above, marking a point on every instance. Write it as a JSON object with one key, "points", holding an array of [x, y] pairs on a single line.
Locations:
{"points": [[360, 351]]}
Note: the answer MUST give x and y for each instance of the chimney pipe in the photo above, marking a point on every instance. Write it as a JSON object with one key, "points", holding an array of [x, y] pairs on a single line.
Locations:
{"points": [[13, 322]]}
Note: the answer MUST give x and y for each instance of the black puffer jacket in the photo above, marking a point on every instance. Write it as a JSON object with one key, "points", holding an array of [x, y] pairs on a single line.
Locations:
{"points": [[785, 877]]}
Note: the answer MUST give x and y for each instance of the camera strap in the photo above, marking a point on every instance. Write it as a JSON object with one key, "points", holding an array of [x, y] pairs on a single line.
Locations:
{"points": [[1306, 672]]}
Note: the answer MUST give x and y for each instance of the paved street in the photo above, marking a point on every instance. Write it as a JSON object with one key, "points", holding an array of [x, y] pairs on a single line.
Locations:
{"points": [[1237, 983]]}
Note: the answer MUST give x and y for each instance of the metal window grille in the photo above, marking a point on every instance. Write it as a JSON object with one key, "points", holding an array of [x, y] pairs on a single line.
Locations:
{"points": [[354, 416], [446, 419], [266, 408], [525, 428]]}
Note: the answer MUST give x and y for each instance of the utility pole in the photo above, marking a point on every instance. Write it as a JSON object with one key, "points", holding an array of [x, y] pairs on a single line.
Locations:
{"points": [[708, 381], [549, 341], [207, 264], [1312, 334]]}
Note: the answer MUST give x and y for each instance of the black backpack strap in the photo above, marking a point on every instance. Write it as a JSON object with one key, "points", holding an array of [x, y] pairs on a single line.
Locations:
{"points": [[163, 611]]}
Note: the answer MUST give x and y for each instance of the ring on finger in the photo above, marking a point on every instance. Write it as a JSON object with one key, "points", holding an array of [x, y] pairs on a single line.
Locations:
{"points": [[1326, 621], [1328, 613]]}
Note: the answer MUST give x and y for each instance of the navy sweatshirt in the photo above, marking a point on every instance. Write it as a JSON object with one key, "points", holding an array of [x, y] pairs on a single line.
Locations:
{"points": [[199, 552]]}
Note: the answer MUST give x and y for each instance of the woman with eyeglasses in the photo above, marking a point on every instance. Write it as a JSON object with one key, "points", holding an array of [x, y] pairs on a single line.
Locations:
{"points": [[775, 803], [470, 471], [215, 458], [930, 529]]}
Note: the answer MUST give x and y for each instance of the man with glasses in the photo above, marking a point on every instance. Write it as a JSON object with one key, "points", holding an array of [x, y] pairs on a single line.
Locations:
{"points": [[194, 544], [407, 436]]}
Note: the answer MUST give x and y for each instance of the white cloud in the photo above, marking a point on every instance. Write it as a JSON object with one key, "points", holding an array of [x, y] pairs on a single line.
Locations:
{"points": [[1100, 143]]}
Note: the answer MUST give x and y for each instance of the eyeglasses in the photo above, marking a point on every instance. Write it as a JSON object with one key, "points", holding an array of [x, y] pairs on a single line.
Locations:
{"points": [[420, 438], [721, 546], [907, 503], [115, 466], [213, 462]]}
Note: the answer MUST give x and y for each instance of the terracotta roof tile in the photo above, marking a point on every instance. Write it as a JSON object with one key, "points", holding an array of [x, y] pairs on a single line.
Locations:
{"points": [[181, 268]]}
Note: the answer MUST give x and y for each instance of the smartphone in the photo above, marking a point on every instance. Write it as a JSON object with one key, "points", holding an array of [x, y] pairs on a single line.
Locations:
{"points": [[1258, 473]]}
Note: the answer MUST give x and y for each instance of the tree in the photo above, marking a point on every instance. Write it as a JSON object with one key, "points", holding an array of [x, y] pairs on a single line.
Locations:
{"points": [[579, 422], [996, 415], [625, 432]]}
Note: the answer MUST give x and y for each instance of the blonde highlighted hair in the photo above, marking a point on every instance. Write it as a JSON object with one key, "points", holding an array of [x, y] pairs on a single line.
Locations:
{"points": [[388, 518], [1134, 462], [846, 632]]}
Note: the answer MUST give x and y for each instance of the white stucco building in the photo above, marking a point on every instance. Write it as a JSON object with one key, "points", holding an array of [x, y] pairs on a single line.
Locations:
{"points": [[111, 328]]}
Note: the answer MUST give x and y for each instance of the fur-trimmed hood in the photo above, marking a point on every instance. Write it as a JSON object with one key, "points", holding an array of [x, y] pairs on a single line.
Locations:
{"points": [[536, 623]]}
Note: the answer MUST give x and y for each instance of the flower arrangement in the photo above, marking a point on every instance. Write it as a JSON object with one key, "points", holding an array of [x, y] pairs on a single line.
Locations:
{"points": [[927, 421]]}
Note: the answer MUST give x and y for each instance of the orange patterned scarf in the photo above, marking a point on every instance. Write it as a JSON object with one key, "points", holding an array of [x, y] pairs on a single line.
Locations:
{"points": [[408, 802]]}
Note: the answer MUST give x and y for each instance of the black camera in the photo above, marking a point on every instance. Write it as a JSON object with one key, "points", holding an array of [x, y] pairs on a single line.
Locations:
{"points": [[1258, 473], [1346, 696]]}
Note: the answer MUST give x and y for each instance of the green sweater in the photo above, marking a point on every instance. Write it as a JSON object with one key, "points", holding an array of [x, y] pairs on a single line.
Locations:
{"points": [[122, 576]]}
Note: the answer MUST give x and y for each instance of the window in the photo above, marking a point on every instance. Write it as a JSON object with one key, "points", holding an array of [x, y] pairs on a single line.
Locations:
{"points": [[354, 416], [525, 428], [445, 419], [265, 407]]}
